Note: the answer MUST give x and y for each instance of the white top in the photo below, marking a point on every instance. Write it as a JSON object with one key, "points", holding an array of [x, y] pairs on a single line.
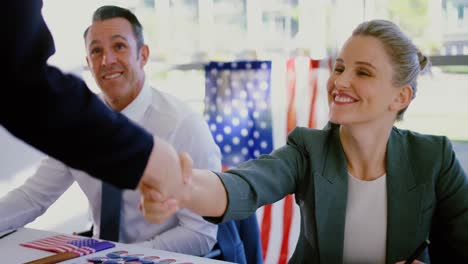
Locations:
{"points": [[365, 234], [162, 115]]}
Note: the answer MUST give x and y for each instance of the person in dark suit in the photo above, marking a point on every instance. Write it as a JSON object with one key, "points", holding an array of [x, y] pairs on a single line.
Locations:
{"points": [[57, 113], [368, 192]]}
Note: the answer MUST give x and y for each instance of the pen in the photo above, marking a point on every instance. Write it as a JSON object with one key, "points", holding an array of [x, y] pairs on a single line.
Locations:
{"points": [[418, 251], [54, 258], [8, 233]]}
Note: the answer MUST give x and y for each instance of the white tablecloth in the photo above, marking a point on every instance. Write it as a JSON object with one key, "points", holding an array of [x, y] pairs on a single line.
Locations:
{"points": [[11, 252]]}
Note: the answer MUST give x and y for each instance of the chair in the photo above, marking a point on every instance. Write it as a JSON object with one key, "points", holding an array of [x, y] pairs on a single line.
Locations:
{"points": [[238, 241], [461, 150]]}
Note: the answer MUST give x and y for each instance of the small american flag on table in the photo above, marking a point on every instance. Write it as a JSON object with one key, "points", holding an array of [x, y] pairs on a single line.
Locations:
{"points": [[64, 243]]}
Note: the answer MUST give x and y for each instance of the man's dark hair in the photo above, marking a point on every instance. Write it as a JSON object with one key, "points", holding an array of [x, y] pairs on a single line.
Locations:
{"points": [[108, 12]]}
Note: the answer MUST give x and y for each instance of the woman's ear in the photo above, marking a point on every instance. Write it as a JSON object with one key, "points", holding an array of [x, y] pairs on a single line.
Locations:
{"points": [[402, 98]]}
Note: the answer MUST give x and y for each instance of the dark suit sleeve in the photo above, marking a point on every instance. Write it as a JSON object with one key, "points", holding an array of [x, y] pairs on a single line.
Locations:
{"points": [[57, 113], [264, 180]]}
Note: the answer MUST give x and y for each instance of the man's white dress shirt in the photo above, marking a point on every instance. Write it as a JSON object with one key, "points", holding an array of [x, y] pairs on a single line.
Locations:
{"points": [[162, 115]]}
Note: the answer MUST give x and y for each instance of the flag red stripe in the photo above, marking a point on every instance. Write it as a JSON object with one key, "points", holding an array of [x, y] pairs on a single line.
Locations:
{"points": [[88, 250], [43, 248], [265, 229], [287, 223], [83, 251], [313, 74], [67, 247], [291, 121], [291, 124], [47, 243]]}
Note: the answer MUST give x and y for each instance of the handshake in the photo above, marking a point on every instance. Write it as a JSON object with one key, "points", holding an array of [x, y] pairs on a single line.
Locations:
{"points": [[169, 183]]}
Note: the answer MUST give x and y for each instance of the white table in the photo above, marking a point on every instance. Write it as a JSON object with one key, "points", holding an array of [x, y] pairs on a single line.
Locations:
{"points": [[11, 252]]}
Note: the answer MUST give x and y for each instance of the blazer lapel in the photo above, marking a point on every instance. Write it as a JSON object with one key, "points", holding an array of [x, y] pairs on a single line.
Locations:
{"points": [[331, 187], [403, 200]]}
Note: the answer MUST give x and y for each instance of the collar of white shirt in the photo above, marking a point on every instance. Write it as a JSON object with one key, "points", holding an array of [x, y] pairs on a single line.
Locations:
{"points": [[136, 109]]}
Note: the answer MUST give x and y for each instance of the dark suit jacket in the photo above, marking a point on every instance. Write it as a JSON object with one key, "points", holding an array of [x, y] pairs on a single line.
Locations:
{"points": [[425, 185], [56, 112]]}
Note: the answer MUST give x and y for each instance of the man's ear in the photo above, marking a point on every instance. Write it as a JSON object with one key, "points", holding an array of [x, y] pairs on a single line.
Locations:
{"points": [[402, 98], [144, 55], [87, 62]]}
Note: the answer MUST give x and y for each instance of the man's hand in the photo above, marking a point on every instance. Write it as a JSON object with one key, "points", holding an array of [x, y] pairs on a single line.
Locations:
{"points": [[176, 185], [165, 185], [154, 210], [163, 172]]}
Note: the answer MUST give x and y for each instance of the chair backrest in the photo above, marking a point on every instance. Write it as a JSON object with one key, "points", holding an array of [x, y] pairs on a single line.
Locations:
{"points": [[238, 241], [461, 149], [250, 236]]}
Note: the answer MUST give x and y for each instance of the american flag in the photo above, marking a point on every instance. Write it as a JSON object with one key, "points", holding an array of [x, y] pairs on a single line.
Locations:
{"points": [[64, 243], [238, 110]]}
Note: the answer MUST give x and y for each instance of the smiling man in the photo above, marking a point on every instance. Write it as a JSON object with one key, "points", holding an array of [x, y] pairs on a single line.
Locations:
{"points": [[116, 56]]}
